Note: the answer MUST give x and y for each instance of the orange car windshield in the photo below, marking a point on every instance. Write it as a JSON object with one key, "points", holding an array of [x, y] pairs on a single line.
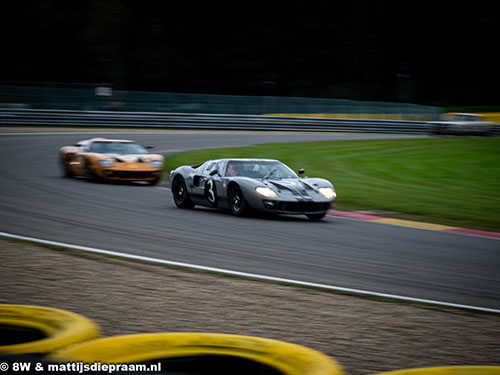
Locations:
{"points": [[117, 148]]}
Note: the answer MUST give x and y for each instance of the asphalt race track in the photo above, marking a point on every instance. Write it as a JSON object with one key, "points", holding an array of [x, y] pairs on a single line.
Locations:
{"points": [[36, 201]]}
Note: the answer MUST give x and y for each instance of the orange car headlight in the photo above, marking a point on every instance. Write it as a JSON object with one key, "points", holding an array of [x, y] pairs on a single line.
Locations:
{"points": [[156, 164], [106, 163]]}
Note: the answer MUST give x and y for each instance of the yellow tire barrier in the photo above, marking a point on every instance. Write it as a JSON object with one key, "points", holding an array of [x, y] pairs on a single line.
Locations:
{"points": [[41, 330], [172, 348], [448, 370]]}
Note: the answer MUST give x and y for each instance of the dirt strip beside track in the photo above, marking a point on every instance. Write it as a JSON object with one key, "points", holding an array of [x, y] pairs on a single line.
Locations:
{"points": [[366, 336]]}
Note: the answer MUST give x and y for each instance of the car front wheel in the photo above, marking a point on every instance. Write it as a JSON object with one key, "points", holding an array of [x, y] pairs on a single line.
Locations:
{"points": [[154, 181], [239, 205], [91, 176], [316, 217]]}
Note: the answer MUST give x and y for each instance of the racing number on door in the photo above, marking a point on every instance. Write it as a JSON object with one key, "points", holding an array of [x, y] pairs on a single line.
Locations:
{"points": [[211, 192]]}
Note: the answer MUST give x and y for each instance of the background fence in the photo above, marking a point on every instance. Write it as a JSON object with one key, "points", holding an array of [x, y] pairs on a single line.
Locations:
{"points": [[101, 97], [96, 105], [51, 118]]}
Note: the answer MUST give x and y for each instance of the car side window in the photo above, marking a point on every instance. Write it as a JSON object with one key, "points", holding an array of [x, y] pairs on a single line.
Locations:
{"points": [[219, 167], [212, 166], [209, 168]]}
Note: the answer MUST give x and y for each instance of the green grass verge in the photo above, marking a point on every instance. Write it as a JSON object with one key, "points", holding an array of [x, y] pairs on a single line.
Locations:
{"points": [[452, 180]]}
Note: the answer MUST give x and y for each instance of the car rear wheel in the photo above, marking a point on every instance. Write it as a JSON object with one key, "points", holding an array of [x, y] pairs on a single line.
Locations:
{"points": [[65, 170], [180, 194], [238, 203]]}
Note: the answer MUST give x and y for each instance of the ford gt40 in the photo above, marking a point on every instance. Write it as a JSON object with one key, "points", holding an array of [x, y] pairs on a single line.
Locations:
{"points": [[242, 185], [111, 159]]}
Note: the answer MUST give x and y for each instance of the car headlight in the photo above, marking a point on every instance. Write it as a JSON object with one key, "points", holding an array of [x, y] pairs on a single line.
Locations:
{"points": [[327, 192], [266, 192], [106, 163], [156, 164]]}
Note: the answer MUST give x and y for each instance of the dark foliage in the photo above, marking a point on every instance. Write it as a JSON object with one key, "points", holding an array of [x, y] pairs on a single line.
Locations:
{"points": [[428, 53]]}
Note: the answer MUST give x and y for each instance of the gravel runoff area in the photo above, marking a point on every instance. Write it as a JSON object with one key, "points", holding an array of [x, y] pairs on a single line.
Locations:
{"points": [[365, 335]]}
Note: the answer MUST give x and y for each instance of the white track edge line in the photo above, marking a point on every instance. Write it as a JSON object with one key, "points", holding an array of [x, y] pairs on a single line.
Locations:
{"points": [[249, 275]]}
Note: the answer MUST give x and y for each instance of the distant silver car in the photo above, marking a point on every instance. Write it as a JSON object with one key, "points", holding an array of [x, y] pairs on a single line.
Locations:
{"points": [[242, 185], [461, 123]]}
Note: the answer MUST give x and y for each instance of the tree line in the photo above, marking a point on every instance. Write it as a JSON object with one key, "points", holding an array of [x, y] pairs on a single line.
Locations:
{"points": [[364, 50]]}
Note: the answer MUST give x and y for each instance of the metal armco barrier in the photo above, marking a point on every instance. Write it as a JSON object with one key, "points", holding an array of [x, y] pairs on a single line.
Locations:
{"points": [[32, 117], [39, 117]]}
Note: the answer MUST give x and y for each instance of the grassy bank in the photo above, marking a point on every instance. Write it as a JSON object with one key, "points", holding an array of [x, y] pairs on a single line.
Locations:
{"points": [[453, 181]]}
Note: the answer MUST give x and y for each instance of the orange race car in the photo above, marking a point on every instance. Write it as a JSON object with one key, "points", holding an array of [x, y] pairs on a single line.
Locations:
{"points": [[111, 159]]}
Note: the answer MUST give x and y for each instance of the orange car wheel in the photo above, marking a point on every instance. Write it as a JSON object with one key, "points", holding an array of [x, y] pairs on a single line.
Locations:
{"points": [[91, 175], [155, 181], [65, 169]]}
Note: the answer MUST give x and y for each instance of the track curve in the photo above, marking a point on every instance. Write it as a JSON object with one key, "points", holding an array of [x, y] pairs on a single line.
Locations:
{"points": [[35, 201]]}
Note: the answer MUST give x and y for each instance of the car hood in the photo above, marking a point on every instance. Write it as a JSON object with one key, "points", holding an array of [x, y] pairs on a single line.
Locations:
{"points": [[299, 185]]}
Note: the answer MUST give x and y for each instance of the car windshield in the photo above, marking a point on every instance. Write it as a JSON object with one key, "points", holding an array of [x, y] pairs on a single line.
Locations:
{"points": [[259, 169], [117, 148]]}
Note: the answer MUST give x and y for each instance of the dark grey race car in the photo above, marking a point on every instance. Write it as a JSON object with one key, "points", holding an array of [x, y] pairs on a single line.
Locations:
{"points": [[242, 185]]}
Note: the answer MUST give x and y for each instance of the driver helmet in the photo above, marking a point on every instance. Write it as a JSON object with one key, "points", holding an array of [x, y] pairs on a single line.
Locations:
{"points": [[234, 169]]}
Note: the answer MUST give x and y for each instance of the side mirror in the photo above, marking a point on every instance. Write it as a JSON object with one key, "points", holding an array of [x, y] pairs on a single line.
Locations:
{"points": [[149, 147], [301, 171], [214, 172]]}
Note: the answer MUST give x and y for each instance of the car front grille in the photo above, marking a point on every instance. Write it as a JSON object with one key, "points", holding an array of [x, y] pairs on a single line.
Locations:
{"points": [[132, 175], [303, 206]]}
